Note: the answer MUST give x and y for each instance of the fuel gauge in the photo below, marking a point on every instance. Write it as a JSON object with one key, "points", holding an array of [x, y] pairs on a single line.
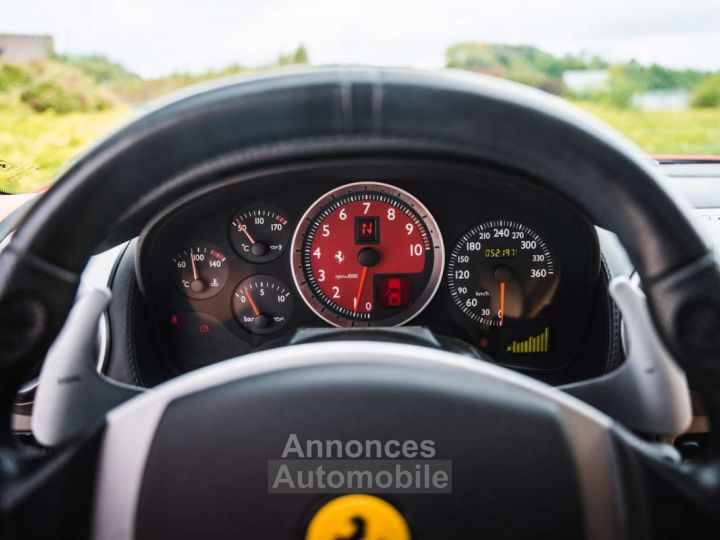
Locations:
{"points": [[259, 233]]}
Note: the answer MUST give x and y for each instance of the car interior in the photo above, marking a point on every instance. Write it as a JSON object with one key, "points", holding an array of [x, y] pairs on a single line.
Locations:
{"points": [[367, 255]]}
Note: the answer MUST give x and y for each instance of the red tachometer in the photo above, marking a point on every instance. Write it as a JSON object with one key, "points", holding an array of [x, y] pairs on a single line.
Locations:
{"points": [[367, 254]]}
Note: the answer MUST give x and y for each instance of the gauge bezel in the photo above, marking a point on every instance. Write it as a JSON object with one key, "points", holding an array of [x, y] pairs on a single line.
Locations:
{"points": [[205, 295], [252, 280], [309, 217], [232, 230], [554, 268]]}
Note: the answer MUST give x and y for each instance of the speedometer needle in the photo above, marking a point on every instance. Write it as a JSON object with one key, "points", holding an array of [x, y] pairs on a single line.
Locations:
{"points": [[502, 303], [356, 300]]}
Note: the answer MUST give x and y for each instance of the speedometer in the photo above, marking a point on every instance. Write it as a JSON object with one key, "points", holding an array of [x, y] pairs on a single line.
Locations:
{"points": [[367, 254], [501, 272]]}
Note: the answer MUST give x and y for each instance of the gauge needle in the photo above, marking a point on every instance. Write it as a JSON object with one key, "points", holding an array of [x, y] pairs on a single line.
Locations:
{"points": [[243, 228], [194, 266], [502, 302], [356, 300], [255, 309]]}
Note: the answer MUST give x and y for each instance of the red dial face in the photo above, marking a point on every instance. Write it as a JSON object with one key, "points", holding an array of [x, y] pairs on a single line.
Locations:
{"points": [[367, 254]]}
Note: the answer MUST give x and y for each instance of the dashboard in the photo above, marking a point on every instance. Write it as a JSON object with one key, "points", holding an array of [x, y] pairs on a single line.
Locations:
{"points": [[140, 343], [478, 254]]}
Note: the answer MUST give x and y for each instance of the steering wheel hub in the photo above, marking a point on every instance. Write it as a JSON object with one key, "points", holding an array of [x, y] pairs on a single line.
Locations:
{"points": [[287, 428]]}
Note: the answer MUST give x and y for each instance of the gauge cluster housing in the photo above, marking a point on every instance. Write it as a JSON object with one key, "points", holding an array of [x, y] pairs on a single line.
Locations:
{"points": [[195, 332]]}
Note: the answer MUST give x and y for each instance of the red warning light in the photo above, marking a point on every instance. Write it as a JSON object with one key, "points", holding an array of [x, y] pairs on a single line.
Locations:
{"points": [[204, 328], [174, 319], [394, 292]]}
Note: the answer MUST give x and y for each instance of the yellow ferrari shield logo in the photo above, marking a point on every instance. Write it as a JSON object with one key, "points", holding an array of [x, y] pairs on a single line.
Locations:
{"points": [[358, 517]]}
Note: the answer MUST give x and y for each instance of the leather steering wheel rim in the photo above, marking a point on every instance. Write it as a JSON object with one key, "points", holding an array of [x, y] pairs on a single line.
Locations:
{"points": [[301, 115]]}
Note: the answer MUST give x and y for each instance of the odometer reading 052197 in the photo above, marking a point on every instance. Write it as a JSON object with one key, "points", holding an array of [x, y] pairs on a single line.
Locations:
{"points": [[501, 271], [367, 254]]}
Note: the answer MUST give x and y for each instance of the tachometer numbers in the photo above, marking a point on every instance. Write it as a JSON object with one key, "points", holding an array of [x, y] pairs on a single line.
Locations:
{"points": [[367, 254], [259, 233], [201, 270], [500, 272], [262, 304]]}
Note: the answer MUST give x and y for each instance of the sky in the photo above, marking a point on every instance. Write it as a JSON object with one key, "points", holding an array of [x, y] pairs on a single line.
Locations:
{"points": [[158, 37]]}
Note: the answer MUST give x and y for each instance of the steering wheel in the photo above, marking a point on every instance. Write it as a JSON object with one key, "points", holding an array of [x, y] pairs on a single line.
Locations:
{"points": [[195, 457]]}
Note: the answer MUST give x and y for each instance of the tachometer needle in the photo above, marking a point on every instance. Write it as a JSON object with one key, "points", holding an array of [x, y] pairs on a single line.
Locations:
{"points": [[356, 300], [253, 305], [502, 303]]}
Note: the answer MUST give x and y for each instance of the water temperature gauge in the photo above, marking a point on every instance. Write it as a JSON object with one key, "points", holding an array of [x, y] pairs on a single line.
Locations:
{"points": [[259, 233], [202, 270], [262, 304]]}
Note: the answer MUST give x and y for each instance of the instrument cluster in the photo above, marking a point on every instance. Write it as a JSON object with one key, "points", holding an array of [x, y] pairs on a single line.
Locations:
{"points": [[487, 257]]}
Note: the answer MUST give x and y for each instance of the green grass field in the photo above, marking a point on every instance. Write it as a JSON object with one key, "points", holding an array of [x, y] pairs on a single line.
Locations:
{"points": [[41, 143], [689, 132], [35, 146]]}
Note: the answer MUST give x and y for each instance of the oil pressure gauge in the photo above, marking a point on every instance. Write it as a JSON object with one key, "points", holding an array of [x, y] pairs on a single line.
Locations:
{"points": [[262, 304], [259, 233]]}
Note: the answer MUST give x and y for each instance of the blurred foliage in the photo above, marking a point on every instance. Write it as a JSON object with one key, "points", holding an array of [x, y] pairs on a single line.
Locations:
{"points": [[14, 78], [689, 132], [631, 78], [299, 56], [50, 110], [64, 96], [520, 63], [52, 85], [136, 91], [534, 67], [707, 94], [656, 77], [99, 68], [41, 143]]}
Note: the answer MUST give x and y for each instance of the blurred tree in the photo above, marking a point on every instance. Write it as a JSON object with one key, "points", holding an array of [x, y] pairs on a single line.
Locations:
{"points": [[299, 56], [534, 67], [14, 77], [707, 94], [521, 63], [99, 68]]}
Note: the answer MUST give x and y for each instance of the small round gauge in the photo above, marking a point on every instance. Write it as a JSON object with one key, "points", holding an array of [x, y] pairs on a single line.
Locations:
{"points": [[259, 233], [367, 254], [202, 270], [500, 272], [262, 304]]}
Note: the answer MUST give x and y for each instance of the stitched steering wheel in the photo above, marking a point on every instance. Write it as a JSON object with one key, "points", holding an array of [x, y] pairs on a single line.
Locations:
{"points": [[192, 457]]}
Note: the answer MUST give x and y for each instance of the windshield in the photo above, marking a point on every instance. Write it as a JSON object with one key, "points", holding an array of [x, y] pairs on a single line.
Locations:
{"points": [[71, 70]]}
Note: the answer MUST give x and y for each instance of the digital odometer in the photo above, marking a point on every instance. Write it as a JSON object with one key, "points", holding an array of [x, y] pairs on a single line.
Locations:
{"points": [[501, 272], [367, 254]]}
